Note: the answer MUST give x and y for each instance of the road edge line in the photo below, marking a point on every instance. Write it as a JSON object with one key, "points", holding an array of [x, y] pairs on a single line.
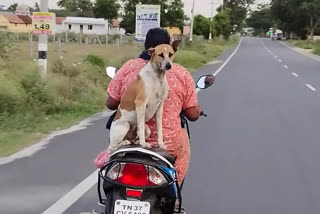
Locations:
{"points": [[313, 57], [73, 196], [226, 62], [33, 149]]}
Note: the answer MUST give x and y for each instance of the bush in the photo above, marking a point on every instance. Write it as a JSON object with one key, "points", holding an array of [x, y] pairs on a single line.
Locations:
{"points": [[60, 68], [96, 60], [9, 98], [37, 94]]}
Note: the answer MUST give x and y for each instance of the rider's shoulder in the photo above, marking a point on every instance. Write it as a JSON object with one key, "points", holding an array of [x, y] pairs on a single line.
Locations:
{"points": [[136, 61], [179, 68], [132, 65]]}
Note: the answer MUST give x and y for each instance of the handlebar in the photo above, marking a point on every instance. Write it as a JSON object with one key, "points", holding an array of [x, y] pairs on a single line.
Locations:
{"points": [[203, 114]]}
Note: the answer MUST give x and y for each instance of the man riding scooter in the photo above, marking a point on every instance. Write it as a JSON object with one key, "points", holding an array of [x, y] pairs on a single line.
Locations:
{"points": [[182, 97]]}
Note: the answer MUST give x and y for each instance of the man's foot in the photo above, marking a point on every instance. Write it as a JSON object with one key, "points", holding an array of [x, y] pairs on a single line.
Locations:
{"points": [[176, 209]]}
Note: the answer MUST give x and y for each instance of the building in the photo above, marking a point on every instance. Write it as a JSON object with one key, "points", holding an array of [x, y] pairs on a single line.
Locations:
{"points": [[173, 31], [23, 9], [86, 25], [15, 23], [59, 24], [115, 28], [18, 22]]}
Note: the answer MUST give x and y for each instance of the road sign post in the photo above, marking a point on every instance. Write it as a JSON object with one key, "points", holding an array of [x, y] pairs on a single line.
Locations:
{"points": [[192, 20], [147, 17], [43, 25]]}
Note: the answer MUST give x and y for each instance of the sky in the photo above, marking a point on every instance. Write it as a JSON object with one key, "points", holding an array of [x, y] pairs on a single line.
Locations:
{"points": [[201, 6]]}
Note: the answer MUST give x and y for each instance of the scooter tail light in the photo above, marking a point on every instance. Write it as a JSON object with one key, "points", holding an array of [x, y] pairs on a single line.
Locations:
{"points": [[115, 172], [156, 177], [136, 175]]}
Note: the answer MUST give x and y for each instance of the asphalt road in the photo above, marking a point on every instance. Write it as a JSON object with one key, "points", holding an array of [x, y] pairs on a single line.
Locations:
{"points": [[257, 152]]}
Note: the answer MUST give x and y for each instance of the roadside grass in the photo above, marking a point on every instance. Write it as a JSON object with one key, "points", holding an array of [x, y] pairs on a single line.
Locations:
{"points": [[74, 89], [313, 46], [198, 54]]}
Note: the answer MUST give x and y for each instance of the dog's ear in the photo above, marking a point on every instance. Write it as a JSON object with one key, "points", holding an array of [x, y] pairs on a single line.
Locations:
{"points": [[150, 51], [175, 45]]}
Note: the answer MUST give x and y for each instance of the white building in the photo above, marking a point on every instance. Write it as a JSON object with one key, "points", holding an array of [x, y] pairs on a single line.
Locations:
{"points": [[23, 9], [59, 24], [86, 25], [115, 28]]}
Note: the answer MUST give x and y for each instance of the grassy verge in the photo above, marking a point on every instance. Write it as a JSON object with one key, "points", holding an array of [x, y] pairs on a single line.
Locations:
{"points": [[75, 86], [196, 55], [313, 46]]}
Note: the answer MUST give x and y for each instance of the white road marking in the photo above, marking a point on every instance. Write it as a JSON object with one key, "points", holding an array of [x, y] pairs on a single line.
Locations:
{"points": [[311, 87], [280, 60], [294, 74], [29, 151], [225, 63], [285, 66], [75, 194], [313, 57]]}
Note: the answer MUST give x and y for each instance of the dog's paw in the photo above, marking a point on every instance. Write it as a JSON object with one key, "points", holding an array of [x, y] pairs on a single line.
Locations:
{"points": [[125, 143], [146, 145]]}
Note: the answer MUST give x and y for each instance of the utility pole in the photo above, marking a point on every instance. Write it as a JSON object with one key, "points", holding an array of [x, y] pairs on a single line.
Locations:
{"points": [[43, 45], [192, 19], [210, 34], [222, 5]]}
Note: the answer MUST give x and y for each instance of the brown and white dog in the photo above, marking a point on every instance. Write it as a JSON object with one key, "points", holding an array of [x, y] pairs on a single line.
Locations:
{"points": [[143, 100]]}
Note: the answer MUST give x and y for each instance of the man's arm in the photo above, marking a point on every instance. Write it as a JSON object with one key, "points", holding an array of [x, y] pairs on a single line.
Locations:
{"points": [[193, 113], [112, 103]]}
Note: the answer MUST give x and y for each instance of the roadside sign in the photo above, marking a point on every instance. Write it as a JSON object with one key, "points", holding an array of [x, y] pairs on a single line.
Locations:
{"points": [[43, 23], [147, 17]]}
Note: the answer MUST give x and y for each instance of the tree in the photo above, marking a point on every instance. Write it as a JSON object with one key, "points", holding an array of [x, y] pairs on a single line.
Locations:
{"points": [[312, 9], [289, 16], [201, 26], [107, 9], [13, 7], [83, 8], [174, 17], [66, 4], [261, 21], [222, 24], [238, 11], [36, 8], [63, 12], [172, 14]]}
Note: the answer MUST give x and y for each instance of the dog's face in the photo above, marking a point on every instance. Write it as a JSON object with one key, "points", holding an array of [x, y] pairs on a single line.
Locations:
{"points": [[162, 55]]}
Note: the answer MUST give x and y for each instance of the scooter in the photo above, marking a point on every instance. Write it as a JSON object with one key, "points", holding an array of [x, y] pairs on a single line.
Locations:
{"points": [[142, 181]]}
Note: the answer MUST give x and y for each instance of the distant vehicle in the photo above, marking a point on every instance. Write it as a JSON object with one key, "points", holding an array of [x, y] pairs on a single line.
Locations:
{"points": [[279, 34]]}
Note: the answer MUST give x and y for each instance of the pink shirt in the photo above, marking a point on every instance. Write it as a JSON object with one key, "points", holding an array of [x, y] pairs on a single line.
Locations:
{"points": [[182, 95]]}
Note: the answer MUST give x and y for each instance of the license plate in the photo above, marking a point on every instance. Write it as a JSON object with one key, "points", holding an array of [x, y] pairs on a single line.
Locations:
{"points": [[131, 207]]}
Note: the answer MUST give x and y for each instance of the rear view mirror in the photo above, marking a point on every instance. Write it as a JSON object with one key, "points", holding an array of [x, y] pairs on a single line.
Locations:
{"points": [[205, 81], [111, 71]]}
